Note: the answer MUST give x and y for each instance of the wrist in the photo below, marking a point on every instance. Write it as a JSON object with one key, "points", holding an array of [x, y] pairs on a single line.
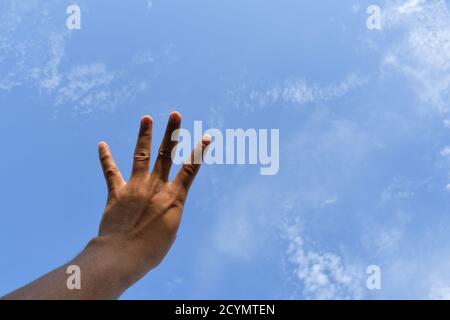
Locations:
{"points": [[115, 260]]}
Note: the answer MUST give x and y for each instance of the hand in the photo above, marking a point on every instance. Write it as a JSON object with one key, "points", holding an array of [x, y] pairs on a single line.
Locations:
{"points": [[142, 215], [138, 227]]}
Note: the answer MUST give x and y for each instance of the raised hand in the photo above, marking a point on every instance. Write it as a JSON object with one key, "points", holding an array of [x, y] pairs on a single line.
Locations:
{"points": [[142, 215], [138, 226]]}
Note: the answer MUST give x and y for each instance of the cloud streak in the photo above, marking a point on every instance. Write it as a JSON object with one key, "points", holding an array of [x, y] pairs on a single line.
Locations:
{"points": [[321, 275], [300, 92], [33, 54], [422, 51]]}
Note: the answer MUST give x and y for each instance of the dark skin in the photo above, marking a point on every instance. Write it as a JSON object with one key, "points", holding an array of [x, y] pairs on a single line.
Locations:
{"points": [[138, 226]]}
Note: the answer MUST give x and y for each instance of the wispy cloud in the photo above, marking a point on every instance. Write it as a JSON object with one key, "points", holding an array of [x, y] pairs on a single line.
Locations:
{"points": [[33, 53], [258, 217], [93, 86], [419, 31], [300, 92], [321, 275], [48, 76], [31, 48], [422, 50]]}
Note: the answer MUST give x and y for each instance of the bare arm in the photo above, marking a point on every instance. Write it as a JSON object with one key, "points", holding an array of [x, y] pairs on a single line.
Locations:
{"points": [[138, 226]]}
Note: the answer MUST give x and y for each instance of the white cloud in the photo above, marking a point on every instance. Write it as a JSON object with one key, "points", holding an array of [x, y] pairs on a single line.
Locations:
{"points": [[31, 48], [33, 53], [49, 77], [322, 275], [299, 92], [89, 87], [255, 219], [351, 158], [422, 52], [411, 6], [85, 86]]}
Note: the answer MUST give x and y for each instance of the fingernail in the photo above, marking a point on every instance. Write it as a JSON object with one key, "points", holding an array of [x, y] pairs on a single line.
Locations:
{"points": [[175, 116], [146, 121], [206, 138]]}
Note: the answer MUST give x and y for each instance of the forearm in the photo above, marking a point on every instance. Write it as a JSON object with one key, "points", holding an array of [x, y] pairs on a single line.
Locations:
{"points": [[104, 275]]}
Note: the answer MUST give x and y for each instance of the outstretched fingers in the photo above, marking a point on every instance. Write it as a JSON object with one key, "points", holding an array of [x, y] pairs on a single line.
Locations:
{"points": [[112, 174], [188, 172], [164, 160], [141, 159]]}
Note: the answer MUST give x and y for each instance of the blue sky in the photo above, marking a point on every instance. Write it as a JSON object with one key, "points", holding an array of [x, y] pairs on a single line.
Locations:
{"points": [[364, 140]]}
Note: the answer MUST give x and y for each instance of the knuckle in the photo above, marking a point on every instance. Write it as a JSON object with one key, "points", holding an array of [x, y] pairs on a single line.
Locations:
{"points": [[165, 154], [111, 172], [104, 157], [178, 202], [190, 169], [145, 133], [141, 155]]}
